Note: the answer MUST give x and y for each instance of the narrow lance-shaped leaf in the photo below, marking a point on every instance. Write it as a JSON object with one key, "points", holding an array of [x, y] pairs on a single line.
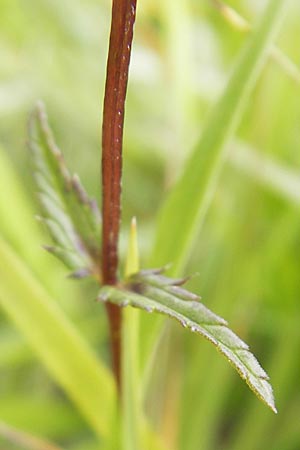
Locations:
{"points": [[154, 292], [71, 217]]}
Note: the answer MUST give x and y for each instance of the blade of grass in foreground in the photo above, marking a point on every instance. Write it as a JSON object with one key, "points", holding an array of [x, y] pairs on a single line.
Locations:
{"points": [[192, 194], [136, 432], [56, 342], [131, 405]]}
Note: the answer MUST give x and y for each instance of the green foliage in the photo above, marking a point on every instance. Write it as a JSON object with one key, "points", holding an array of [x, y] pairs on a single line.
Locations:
{"points": [[153, 292], [246, 254], [160, 294], [72, 218], [56, 342], [193, 192]]}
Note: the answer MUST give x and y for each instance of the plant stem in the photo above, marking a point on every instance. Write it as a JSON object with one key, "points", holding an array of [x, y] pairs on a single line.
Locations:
{"points": [[123, 17]]}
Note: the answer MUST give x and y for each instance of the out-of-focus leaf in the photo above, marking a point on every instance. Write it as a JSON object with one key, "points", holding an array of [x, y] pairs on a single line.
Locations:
{"points": [[241, 24], [24, 440], [72, 218], [154, 292], [270, 173], [56, 342], [183, 212]]}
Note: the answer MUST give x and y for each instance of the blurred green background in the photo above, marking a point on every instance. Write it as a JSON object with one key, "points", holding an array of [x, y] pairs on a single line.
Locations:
{"points": [[247, 255]]}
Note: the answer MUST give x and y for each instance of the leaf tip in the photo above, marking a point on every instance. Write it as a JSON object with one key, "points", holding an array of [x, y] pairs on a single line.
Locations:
{"points": [[132, 261], [79, 274]]}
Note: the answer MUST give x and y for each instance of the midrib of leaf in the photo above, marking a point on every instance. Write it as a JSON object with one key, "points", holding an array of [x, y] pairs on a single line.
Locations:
{"points": [[192, 194], [56, 342]]}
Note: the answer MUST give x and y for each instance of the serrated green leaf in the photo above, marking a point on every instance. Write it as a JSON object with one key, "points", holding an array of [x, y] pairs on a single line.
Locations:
{"points": [[71, 217], [153, 292]]}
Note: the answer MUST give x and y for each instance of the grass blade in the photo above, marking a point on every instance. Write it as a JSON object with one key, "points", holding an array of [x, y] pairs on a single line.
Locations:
{"points": [[192, 194], [131, 404], [56, 342], [270, 173], [241, 24]]}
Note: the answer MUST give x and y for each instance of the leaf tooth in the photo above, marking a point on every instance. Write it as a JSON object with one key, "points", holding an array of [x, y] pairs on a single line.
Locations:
{"points": [[64, 222], [96, 212], [182, 293], [58, 235], [69, 258], [54, 209], [268, 397], [200, 330], [79, 190], [38, 161], [45, 186], [79, 274], [228, 337], [263, 390], [252, 363], [163, 281], [183, 323], [155, 277], [125, 303], [233, 360], [41, 133], [259, 385], [87, 205], [103, 296], [146, 272], [198, 311]]}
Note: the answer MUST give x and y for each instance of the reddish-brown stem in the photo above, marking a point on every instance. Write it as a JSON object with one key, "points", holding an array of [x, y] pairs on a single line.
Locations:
{"points": [[123, 17]]}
